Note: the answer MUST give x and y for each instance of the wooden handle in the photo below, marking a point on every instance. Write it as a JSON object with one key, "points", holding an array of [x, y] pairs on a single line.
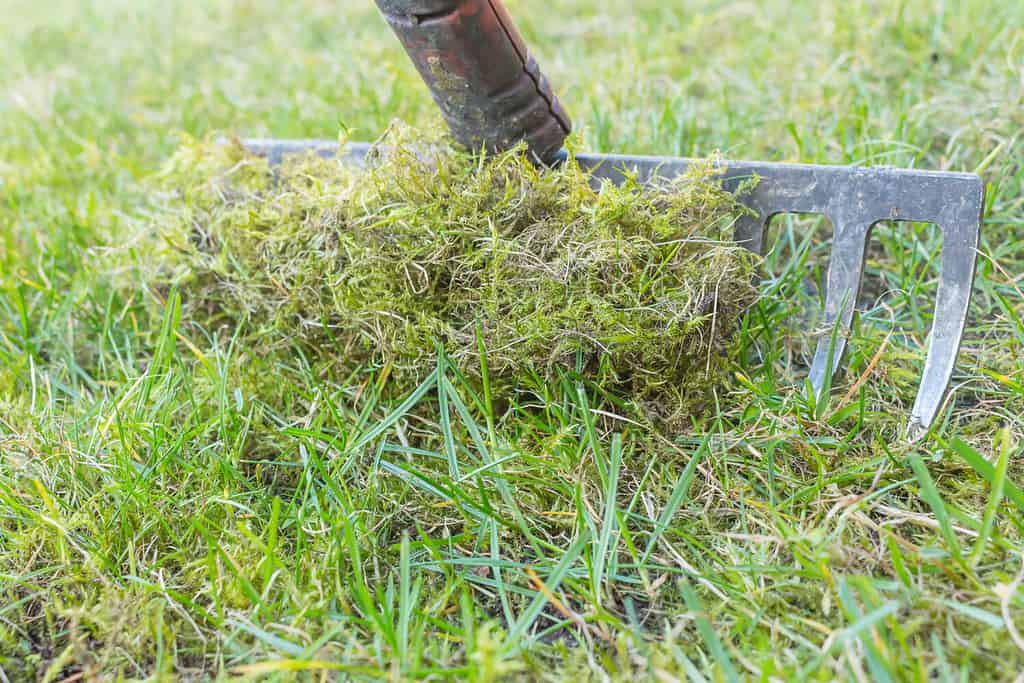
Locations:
{"points": [[490, 90]]}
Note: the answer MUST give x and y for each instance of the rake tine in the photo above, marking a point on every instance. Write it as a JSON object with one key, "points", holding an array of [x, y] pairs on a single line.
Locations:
{"points": [[961, 231], [750, 232], [845, 273]]}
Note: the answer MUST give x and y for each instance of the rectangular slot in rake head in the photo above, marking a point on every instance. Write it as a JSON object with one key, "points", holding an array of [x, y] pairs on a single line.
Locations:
{"points": [[853, 199]]}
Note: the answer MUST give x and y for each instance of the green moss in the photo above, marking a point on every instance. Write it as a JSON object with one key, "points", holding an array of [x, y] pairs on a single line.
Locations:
{"points": [[637, 289]]}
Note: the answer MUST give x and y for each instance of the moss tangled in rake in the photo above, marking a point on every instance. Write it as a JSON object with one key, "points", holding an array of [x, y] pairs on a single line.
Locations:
{"points": [[639, 290]]}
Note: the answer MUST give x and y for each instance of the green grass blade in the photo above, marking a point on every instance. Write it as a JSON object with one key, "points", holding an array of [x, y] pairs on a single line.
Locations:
{"points": [[444, 416], [987, 472], [608, 523], [707, 632], [389, 421], [679, 494], [995, 497], [517, 632], [931, 496]]}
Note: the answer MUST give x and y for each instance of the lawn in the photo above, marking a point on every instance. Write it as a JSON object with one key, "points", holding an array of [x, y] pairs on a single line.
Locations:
{"points": [[177, 504]]}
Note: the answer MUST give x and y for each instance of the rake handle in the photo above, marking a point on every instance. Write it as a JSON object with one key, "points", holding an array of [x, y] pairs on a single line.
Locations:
{"points": [[490, 90]]}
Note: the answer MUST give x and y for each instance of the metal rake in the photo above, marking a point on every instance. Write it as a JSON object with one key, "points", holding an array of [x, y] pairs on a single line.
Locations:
{"points": [[492, 94]]}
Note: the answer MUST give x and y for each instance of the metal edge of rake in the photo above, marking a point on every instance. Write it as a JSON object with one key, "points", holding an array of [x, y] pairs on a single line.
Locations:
{"points": [[854, 200]]}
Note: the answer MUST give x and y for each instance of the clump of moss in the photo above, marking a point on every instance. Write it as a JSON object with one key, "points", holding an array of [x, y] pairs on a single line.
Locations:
{"points": [[636, 288]]}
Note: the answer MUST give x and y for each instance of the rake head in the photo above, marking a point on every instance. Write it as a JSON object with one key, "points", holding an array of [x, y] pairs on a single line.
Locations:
{"points": [[492, 94]]}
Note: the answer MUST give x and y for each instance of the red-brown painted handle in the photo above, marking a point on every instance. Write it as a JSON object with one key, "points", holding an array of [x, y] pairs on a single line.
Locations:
{"points": [[490, 90]]}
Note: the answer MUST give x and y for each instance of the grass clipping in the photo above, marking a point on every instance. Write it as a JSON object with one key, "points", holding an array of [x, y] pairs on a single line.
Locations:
{"points": [[638, 289]]}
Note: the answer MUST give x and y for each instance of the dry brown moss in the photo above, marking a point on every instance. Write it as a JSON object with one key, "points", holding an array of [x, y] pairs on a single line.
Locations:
{"points": [[638, 290]]}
